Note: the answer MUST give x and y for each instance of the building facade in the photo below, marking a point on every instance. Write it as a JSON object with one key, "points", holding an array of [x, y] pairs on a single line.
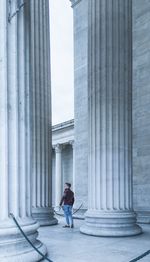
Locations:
{"points": [[110, 138], [62, 159]]}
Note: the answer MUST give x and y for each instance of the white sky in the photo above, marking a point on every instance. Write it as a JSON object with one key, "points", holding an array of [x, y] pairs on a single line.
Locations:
{"points": [[61, 25]]}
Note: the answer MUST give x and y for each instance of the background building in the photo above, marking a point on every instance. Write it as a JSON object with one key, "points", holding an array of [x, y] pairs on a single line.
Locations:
{"points": [[62, 159]]}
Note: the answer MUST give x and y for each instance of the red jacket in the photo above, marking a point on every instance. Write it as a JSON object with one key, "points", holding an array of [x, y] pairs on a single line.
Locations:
{"points": [[67, 198]]}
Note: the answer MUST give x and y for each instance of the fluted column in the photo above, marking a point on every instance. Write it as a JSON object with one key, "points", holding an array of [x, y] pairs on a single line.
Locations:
{"points": [[73, 164], [15, 136], [58, 173], [80, 17], [41, 118], [110, 211]]}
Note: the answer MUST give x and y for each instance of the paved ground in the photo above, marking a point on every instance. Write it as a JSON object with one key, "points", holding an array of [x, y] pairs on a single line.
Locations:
{"points": [[69, 245]]}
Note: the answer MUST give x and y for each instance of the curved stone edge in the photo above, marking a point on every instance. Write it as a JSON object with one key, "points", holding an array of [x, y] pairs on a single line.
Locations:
{"points": [[115, 224], [111, 232], [8, 228], [44, 216], [50, 222], [13, 241], [30, 255]]}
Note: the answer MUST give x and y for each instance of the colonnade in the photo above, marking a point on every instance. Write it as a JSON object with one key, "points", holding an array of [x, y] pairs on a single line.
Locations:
{"points": [[58, 170], [25, 115]]}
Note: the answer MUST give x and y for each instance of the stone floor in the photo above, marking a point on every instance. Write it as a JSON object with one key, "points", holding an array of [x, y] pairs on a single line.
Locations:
{"points": [[69, 245]]}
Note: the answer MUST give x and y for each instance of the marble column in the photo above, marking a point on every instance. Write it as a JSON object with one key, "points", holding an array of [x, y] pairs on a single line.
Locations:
{"points": [[80, 24], [15, 136], [141, 110], [110, 209], [58, 173], [72, 143], [41, 117]]}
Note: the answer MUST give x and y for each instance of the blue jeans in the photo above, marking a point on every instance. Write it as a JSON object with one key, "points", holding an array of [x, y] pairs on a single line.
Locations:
{"points": [[68, 214]]}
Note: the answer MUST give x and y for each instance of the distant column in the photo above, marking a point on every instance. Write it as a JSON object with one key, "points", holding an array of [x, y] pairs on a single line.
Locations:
{"points": [[58, 173], [110, 209], [41, 114], [72, 143]]}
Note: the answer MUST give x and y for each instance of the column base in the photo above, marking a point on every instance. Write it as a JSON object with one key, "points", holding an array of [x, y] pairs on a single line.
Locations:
{"points": [[143, 217], [110, 224], [44, 216], [14, 247]]}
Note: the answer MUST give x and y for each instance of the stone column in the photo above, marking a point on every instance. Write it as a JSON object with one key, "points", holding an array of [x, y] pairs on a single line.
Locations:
{"points": [[72, 143], [141, 110], [80, 17], [15, 136], [110, 211], [41, 118], [58, 173]]}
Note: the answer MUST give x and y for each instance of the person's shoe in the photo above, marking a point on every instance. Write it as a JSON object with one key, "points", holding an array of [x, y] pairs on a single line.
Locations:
{"points": [[72, 226], [66, 226]]}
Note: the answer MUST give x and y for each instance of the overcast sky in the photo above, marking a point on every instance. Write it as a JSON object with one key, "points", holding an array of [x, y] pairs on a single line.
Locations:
{"points": [[61, 19]]}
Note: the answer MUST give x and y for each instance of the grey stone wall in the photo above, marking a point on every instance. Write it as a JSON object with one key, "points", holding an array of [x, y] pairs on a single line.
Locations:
{"points": [[80, 96], [141, 104]]}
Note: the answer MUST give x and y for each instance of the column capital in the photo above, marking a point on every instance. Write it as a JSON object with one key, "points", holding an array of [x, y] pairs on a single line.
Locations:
{"points": [[72, 142], [74, 2], [58, 148]]}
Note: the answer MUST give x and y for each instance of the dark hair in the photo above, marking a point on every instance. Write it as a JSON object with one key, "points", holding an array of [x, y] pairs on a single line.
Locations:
{"points": [[68, 184]]}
